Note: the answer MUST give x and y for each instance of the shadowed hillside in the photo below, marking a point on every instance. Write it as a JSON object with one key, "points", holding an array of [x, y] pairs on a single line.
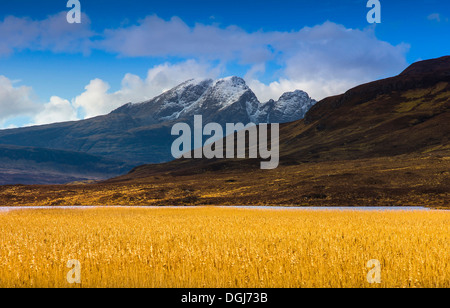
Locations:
{"points": [[28, 165]]}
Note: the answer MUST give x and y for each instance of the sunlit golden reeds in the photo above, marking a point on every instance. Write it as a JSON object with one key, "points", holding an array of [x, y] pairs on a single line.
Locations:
{"points": [[218, 247]]}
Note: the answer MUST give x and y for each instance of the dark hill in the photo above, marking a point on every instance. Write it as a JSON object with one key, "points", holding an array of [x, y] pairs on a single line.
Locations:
{"points": [[29, 165]]}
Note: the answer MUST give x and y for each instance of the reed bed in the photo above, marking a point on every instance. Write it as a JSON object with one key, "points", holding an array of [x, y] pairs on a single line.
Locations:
{"points": [[223, 247]]}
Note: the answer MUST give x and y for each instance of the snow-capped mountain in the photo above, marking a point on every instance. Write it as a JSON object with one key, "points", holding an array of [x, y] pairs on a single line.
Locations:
{"points": [[224, 100], [290, 107], [138, 133]]}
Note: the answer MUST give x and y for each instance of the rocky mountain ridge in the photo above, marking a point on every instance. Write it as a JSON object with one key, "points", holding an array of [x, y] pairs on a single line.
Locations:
{"points": [[227, 99], [136, 134]]}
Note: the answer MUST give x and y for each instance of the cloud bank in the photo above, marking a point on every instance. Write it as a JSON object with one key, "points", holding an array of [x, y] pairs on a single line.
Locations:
{"points": [[323, 60], [57, 110], [51, 34], [97, 99], [15, 101]]}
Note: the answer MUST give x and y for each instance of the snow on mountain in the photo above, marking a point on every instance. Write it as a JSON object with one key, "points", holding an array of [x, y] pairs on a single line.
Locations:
{"points": [[224, 100], [227, 100], [229, 90], [290, 107]]}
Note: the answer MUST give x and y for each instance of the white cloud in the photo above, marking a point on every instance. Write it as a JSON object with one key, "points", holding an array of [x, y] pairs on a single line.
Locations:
{"points": [[57, 110], [95, 99], [164, 77], [329, 59], [435, 17], [53, 33], [325, 59], [317, 89], [98, 100], [15, 101], [156, 37], [21, 102]]}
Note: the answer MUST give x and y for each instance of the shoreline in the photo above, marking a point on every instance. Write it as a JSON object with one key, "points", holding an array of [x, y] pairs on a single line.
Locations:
{"points": [[246, 207]]}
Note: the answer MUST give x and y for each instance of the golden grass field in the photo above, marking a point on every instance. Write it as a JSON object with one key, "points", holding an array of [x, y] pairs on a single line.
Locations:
{"points": [[223, 247]]}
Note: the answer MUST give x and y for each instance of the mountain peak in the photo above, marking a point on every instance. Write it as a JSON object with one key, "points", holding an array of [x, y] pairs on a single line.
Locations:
{"points": [[232, 81], [223, 100], [192, 82], [426, 67], [294, 94]]}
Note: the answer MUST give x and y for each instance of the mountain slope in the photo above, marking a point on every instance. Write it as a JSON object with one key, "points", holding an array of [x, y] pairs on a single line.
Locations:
{"points": [[291, 106], [140, 133], [28, 165], [407, 114]]}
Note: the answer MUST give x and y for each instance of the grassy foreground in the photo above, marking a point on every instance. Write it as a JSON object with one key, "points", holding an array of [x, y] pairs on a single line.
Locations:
{"points": [[218, 247]]}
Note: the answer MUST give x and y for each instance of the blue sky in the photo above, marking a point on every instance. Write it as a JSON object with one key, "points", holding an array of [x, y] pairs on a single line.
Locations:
{"points": [[123, 51]]}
